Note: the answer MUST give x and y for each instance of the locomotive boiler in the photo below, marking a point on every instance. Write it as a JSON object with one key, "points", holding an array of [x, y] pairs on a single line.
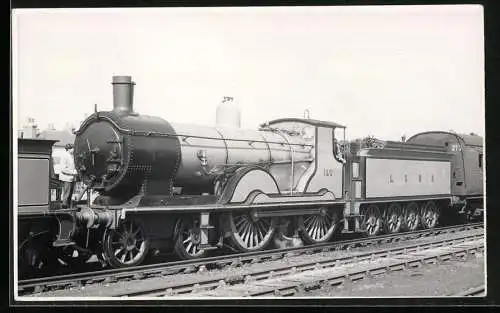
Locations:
{"points": [[121, 153]]}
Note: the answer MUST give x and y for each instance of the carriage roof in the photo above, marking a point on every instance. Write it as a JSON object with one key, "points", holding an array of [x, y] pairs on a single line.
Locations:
{"points": [[435, 137]]}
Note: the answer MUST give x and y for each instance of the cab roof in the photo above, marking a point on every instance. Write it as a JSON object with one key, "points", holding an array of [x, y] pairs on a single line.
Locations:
{"points": [[312, 122]]}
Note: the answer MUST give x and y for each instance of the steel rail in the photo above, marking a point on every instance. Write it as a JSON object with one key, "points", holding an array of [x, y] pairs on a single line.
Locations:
{"points": [[288, 279], [187, 266], [478, 291]]}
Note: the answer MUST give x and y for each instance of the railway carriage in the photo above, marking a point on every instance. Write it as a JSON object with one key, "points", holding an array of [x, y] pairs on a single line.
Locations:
{"points": [[467, 168], [43, 227], [191, 189]]}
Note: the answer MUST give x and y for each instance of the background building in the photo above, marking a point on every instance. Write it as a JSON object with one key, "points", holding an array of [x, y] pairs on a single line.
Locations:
{"points": [[63, 137]]}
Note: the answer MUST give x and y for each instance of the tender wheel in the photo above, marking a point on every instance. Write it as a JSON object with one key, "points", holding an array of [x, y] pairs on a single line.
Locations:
{"points": [[372, 220], [319, 227], [430, 215], [126, 246], [411, 217], [394, 218], [249, 232], [188, 239]]}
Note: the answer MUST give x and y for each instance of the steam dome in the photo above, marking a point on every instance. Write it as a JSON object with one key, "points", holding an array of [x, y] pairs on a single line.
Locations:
{"points": [[228, 114]]}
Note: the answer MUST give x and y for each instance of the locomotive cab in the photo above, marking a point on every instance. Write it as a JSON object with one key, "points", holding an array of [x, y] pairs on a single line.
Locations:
{"points": [[326, 171]]}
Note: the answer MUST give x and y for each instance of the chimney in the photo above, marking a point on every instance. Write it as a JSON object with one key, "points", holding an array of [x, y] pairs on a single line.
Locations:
{"points": [[123, 94]]}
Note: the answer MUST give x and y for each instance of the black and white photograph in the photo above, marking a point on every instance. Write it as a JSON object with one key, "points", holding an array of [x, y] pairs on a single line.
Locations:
{"points": [[212, 153]]}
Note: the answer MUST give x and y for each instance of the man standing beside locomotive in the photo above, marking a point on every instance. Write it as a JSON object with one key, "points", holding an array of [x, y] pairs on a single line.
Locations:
{"points": [[67, 174]]}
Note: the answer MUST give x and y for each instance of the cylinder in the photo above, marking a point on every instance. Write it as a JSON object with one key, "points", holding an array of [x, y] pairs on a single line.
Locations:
{"points": [[123, 94]]}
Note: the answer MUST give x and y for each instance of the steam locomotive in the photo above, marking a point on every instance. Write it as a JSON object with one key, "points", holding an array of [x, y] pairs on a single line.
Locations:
{"points": [[191, 189]]}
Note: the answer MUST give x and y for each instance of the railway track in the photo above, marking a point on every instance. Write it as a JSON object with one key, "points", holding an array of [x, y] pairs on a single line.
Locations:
{"points": [[478, 291], [289, 280], [26, 287]]}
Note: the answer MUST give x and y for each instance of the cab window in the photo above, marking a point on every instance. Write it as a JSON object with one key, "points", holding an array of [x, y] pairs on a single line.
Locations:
{"points": [[338, 143]]}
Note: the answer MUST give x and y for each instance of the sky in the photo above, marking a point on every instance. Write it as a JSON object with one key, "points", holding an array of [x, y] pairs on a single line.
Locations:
{"points": [[380, 70]]}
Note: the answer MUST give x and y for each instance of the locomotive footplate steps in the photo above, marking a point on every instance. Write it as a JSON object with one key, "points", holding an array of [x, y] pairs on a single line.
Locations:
{"points": [[66, 230], [352, 223], [204, 231]]}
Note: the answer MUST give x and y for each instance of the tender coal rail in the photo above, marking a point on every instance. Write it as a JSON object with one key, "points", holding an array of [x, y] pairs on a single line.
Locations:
{"points": [[188, 266]]}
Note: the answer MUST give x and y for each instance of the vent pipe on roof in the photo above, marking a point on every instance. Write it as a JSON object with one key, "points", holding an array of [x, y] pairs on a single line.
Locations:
{"points": [[123, 94]]}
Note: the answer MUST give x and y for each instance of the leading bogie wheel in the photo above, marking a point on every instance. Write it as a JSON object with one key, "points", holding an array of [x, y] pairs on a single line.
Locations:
{"points": [[430, 215], [250, 232], [317, 228], [126, 245], [187, 236]]}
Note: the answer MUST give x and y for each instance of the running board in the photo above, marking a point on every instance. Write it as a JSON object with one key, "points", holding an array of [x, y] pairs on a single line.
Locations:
{"points": [[304, 211]]}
